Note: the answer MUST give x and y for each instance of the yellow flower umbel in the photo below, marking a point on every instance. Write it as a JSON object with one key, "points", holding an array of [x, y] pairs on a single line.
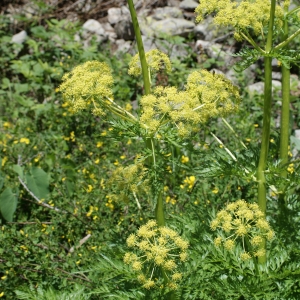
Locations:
{"points": [[242, 15], [242, 222], [156, 61], [156, 249], [88, 84], [206, 95]]}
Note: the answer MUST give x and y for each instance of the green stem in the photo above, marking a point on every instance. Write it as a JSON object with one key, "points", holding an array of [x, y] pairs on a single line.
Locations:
{"points": [[262, 164], [159, 211], [285, 111], [284, 127], [289, 39], [248, 38], [140, 45]]}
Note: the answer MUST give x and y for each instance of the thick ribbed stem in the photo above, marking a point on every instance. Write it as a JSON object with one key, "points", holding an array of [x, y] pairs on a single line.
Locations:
{"points": [[285, 110], [140, 46], [262, 195]]}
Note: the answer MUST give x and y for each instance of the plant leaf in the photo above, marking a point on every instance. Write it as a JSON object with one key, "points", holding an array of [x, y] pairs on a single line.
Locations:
{"points": [[38, 182], [8, 204]]}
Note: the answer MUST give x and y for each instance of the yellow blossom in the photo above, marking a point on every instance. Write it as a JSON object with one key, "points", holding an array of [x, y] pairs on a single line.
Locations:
{"points": [[156, 60], [88, 84], [155, 247], [240, 222], [291, 168], [242, 15], [25, 141], [184, 159], [215, 190]]}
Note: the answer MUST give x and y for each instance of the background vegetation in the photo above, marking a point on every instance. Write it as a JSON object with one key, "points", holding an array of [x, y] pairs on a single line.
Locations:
{"points": [[68, 238]]}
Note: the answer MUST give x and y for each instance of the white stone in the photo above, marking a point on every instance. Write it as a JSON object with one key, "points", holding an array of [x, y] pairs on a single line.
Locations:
{"points": [[94, 26], [258, 87], [116, 14], [20, 37], [109, 30], [189, 5], [173, 26], [162, 13]]}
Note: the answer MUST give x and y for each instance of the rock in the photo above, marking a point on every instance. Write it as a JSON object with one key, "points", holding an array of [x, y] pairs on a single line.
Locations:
{"points": [[109, 31], [247, 75], [173, 26], [125, 30], [94, 26], [295, 141], [122, 46], [206, 30], [145, 26], [20, 37], [276, 75], [258, 87], [173, 51], [162, 13], [117, 14], [201, 45], [214, 50], [188, 5]]}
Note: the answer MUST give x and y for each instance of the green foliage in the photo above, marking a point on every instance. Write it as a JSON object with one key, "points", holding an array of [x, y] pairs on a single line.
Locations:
{"points": [[65, 208], [8, 204], [50, 294]]}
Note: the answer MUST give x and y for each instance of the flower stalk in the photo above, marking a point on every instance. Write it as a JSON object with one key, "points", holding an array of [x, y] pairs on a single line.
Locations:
{"points": [[262, 164], [140, 46]]}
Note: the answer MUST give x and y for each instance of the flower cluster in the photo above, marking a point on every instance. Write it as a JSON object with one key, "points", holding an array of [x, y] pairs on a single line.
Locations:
{"points": [[206, 95], [188, 182], [156, 61], [242, 15], [88, 84], [245, 222], [157, 249], [129, 177]]}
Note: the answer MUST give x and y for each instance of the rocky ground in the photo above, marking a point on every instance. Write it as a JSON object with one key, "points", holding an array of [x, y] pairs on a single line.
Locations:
{"points": [[160, 20]]}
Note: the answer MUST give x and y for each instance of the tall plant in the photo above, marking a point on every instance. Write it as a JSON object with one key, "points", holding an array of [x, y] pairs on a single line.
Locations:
{"points": [[167, 117], [251, 19]]}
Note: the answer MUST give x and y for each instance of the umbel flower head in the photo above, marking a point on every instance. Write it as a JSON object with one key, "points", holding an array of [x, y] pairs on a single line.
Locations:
{"points": [[88, 84], [156, 61], [206, 95], [156, 249], [245, 223], [242, 15]]}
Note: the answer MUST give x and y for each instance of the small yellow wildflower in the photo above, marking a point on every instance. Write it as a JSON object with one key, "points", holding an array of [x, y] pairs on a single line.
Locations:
{"points": [[215, 190], [184, 159], [291, 168], [25, 141]]}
